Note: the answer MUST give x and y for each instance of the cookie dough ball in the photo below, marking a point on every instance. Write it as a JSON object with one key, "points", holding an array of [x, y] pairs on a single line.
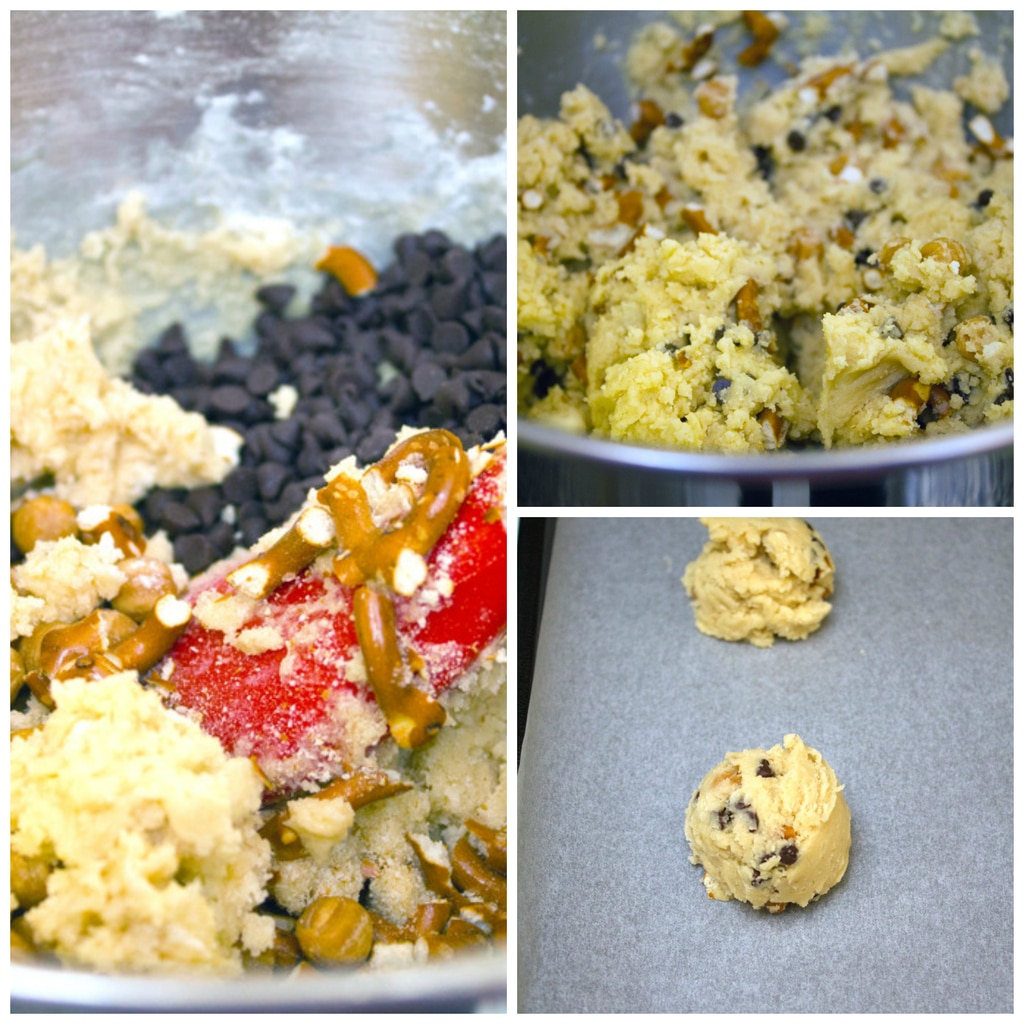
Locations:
{"points": [[757, 579], [770, 827]]}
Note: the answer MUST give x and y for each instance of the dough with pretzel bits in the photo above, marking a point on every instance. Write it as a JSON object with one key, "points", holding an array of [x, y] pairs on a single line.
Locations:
{"points": [[757, 579], [770, 827], [827, 264]]}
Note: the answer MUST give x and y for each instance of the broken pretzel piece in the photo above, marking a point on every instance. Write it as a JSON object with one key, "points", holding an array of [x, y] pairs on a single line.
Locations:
{"points": [[350, 268], [312, 533], [412, 715], [372, 553]]}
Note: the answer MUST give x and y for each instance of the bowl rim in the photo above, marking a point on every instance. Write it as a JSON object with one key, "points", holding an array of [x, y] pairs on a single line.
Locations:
{"points": [[469, 978], [541, 439]]}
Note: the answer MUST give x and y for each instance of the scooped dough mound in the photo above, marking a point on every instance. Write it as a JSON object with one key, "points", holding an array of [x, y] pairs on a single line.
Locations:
{"points": [[757, 579], [770, 827]]}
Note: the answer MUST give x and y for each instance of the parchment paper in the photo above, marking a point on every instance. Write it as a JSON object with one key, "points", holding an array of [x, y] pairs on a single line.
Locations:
{"points": [[907, 691]]}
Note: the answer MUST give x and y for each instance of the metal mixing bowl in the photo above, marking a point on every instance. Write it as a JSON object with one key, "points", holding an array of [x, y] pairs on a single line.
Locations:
{"points": [[557, 50], [369, 124]]}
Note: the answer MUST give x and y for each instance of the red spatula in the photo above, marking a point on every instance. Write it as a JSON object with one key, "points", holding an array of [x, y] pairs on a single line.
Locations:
{"points": [[322, 645]]}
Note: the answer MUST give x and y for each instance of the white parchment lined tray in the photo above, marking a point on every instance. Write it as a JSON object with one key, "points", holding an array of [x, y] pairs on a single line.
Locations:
{"points": [[907, 691]]}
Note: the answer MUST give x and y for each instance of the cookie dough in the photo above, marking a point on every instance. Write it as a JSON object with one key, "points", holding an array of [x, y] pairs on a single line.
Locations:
{"points": [[101, 440], [825, 264], [156, 868], [757, 579], [770, 827]]}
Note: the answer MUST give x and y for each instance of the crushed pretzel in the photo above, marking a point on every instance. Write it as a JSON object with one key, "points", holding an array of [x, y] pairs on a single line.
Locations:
{"points": [[351, 268]]}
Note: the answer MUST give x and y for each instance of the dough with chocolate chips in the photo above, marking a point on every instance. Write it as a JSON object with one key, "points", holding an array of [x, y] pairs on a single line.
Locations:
{"points": [[757, 579], [770, 827], [828, 263]]}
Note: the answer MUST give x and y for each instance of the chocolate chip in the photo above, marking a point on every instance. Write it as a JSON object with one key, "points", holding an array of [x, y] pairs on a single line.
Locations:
{"points": [[458, 264], [764, 769], [486, 420], [862, 257], [960, 385], [195, 552], [449, 300], [673, 121], [374, 445], [207, 503], [765, 161], [435, 242], [275, 296], [287, 432], [311, 336], [450, 336], [495, 285], [481, 355], [149, 374], [493, 254], [720, 386], [311, 459], [788, 855], [426, 379], [182, 369], [724, 818], [751, 815], [222, 538], [833, 113], [289, 501], [452, 398], [240, 485], [1007, 395], [877, 185], [984, 198], [172, 340], [176, 517], [796, 141], [399, 395], [261, 379], [229, 400], [251, 529], [419, 267], [270, 479], [326, 429]]}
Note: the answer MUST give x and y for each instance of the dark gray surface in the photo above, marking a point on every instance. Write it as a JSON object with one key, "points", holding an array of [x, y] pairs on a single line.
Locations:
{"points": [[907, 691]]}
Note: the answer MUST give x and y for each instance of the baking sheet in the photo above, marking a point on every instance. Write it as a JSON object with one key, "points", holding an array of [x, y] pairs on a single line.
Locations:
{"points": [[907, 691]]}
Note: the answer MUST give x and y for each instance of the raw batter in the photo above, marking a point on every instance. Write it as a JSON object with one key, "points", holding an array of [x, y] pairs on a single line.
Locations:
{"points": [[830, 264], [770, 827], [757, 579], [116, 879]]}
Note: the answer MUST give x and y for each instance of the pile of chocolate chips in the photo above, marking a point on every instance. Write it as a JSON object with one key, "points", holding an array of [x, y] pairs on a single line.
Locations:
{"points": [[425, 348]]}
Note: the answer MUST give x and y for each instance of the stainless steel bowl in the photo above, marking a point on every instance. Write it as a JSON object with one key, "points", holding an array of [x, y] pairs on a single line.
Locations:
{"points": [[557, 50], [472, 983], [359, 120]]}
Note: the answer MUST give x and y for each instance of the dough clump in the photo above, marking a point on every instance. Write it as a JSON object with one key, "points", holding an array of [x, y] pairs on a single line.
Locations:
{"points": [[145, 832], [770, 827], [830, 262], [101, 439], [757, 579]]}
